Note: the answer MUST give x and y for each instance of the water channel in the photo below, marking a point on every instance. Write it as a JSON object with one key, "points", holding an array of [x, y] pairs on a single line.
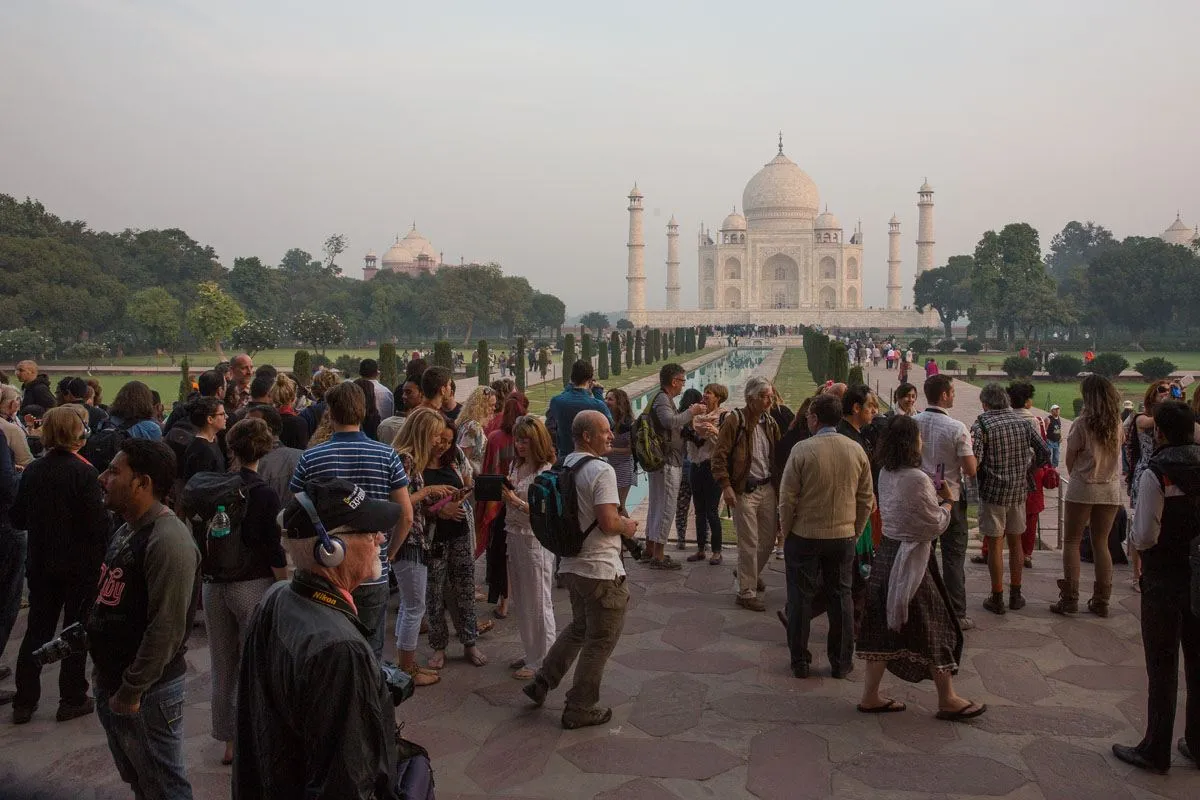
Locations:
{"points": [[731, 370]]}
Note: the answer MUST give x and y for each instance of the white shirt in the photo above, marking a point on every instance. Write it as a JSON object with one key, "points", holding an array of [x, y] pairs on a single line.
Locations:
{"points": [[944, 440], [385, 403], [760, 453], [600, 556], [1147, 518]]}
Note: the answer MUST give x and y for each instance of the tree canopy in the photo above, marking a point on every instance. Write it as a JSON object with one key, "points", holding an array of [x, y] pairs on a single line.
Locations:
{"points": [[946, 289]]}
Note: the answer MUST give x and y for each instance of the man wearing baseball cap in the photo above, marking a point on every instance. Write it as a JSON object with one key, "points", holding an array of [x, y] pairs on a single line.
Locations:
{"points": [[1054, 433], [314, 714]]}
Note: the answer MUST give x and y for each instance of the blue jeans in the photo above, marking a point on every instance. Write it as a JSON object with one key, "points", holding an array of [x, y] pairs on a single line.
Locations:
{"points": [[371, 599], [13, 546], [1054, 453], [148, 746]]}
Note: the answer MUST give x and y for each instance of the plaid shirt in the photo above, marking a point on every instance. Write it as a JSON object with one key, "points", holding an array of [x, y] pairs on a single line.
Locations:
{"points": [[1004, 440]]}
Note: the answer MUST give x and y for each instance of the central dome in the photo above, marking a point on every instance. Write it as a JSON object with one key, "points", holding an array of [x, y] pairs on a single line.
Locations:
{"points": [[780, 191]]}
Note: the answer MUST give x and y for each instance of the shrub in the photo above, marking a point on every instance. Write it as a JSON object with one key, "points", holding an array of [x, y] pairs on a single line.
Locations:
{"points": [[1018, 367], [1077, 405], [522, 367], [855, 377], [637, 348], [919, 346], [602, 359], [972, 346], [347, 365], [482, 371], [585, 353], [702, 342], [568, 358], [320, 360], [20, 343], [87, 352], [614, 353], [839, 363], [443, 354], [185, 380], [387, 364], [543, 357], [1154, 369], [947, 346], [952, 364], [1109, 365], [1064, 367], [302, 367], [972, 371]]}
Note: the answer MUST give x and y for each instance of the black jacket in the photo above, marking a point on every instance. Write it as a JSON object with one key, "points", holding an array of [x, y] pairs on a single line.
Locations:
{"points": [[60, 503], [314, 718], [37, 393], [8, 485], [1167, 562]]}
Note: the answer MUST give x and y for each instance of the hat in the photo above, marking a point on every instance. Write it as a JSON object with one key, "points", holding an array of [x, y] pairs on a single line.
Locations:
{"points": [[1128, 404], [339, 504], [1054, 406]]}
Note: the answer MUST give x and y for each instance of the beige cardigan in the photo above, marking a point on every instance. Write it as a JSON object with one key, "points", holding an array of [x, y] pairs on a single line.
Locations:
{"points": [[826, 490]]}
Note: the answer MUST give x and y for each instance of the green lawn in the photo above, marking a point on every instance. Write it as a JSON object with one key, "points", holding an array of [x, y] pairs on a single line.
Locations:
{"points": [[167, 385], [794, 381], [1065, 393], [995, 361]]}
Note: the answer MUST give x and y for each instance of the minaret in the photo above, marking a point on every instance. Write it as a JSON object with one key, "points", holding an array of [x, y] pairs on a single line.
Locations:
{"points": [[636, 277], [672, 265], [893, 284], [924, 227]]}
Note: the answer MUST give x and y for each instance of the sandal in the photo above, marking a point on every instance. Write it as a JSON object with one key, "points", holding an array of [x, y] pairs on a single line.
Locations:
{"points": [[715, 560], [890, 707], [969, 711], [473, 655], [422, 677], [498, 614], [516, 663], [435, 663], [524, 674], [483, 626]]}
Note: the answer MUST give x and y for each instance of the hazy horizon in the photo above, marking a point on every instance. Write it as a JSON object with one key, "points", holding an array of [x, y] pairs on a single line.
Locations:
{"points": [[513, 134]]}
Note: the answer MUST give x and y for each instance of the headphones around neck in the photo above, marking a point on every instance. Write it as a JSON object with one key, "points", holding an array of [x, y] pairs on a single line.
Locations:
{"points": [[329, 551]]}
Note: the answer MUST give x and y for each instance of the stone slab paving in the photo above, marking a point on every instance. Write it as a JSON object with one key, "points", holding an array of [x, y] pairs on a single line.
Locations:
{"points": [[704, 706]]}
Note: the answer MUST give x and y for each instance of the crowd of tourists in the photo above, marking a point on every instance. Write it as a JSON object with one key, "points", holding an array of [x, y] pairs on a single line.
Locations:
{"points": [[285, 511]]}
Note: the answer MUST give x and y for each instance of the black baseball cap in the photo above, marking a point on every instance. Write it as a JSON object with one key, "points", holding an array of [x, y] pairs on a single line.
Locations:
{"points": [[339, 504]]}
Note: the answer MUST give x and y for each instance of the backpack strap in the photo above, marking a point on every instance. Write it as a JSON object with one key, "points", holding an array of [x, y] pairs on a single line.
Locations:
{"points": [[572, 469]]}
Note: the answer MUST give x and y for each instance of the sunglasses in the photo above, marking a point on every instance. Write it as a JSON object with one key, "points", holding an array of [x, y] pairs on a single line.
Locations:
{"points": [[1163, 389]]}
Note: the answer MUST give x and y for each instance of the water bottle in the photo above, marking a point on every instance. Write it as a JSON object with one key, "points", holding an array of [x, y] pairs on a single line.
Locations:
{"points": [[220, 525]]}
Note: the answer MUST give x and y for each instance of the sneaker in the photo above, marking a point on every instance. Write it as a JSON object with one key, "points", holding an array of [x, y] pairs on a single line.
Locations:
{"points": [[965, 623], [778, 553], [67, 711], [573, 718], [536, 690], [761, 586], [995, 603], [1028, 563], [666, 564], [1015, 601], [751, 603]]}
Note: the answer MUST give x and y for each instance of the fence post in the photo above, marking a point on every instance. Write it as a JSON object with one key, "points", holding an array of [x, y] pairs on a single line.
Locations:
{"points": [[1060, 513]]}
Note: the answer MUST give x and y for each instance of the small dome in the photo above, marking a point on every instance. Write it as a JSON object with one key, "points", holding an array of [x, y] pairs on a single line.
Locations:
{"points": [[635, 192], [418, 246], [827, 221], [780, 190], [894, 220], [671, 223], [925, 187], [734, 222], [397, 254], [1178, 233]]}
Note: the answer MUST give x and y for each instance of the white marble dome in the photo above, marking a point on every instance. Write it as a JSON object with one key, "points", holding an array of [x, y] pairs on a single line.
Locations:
{"points": [[780, 191], [418, 246], [827, 221], [1178, 233], [734, 222], [396, 255]]}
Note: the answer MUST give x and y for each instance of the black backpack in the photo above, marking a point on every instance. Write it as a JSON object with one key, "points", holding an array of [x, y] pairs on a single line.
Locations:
{"points": [[554, 509], [227, 558], [103, 445]]}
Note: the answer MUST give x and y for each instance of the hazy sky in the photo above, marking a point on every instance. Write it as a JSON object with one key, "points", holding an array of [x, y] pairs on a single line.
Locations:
{"points": [[512, 132]]}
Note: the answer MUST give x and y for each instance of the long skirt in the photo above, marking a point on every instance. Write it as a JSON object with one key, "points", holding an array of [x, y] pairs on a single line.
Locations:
{"points": [[497, 559], [931, 640]]}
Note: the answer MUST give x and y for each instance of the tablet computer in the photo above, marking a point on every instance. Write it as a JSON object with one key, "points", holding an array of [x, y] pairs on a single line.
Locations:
{"points": [[490, 487]]}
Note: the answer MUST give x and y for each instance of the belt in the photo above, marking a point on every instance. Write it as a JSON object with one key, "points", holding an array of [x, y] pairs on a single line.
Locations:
{"points": [[755, 485]]}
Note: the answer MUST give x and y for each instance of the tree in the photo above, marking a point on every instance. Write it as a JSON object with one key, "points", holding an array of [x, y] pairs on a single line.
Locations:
{"points": [[21, 343], [318, 329], [1140, 282], [387, 364], [614, 351], [1075, 246], [334, 246], [514, 305], [482, 367], [628, 350], [543, 361], [302, 367], [87, 352], [522, 367], [155, 314], [255, 286], [1007, 268], [547, 311], [624, 324], [214, 316], [602, 359], [185, 380], [946, 289], [254, 335], [595, 320], [568, 358]]}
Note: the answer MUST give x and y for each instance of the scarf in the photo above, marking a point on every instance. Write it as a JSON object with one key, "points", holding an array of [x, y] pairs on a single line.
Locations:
{"points": [[910, 505]]}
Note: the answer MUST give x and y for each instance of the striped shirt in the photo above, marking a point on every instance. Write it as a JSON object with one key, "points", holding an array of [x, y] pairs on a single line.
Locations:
{"points": [[372, 466]]}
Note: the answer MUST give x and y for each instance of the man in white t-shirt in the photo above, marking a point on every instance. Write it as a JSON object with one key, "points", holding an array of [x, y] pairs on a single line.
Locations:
{"points": [[946, 442], [595, 578]]}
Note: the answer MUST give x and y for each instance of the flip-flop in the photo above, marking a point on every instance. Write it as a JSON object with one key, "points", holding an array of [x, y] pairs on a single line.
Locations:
{"points": [[890, 707], [483, 626], [477, 658], [524, 674], [498, 614], [431, 665], [969, 711], [516, 663]]}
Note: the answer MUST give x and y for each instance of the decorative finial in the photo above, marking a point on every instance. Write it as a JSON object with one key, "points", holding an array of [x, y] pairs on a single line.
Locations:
{"points": [[414, 225], [781, 143]]}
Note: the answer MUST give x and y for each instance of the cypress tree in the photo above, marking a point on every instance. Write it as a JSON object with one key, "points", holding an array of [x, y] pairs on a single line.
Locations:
{"points": [[521, 367], [614, 350], [568, 357], [483, 371], [602, 359]]}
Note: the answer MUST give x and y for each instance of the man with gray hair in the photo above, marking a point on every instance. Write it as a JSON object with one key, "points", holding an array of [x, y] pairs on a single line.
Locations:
{"points": [[744, 467], [664, 484], [1005, 443], [595, 579], [314, 714]]}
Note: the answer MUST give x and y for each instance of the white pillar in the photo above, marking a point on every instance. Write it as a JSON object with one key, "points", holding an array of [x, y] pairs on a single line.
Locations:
{"points": [[636, 277], [893, 284], [672, 265], [924, 228]]}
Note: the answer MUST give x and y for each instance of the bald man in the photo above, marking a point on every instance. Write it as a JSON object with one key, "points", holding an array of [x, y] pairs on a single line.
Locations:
{"points": [[36, 387]]}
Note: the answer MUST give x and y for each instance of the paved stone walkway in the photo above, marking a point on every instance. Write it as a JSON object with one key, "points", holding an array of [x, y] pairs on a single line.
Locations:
{"points": [[704, 706]]}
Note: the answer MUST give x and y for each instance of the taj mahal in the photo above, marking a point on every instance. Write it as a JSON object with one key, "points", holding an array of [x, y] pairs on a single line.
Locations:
{"points": [[781, 261]]}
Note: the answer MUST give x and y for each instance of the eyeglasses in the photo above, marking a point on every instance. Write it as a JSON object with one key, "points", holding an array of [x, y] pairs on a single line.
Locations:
{"points": [[1163, 389]]}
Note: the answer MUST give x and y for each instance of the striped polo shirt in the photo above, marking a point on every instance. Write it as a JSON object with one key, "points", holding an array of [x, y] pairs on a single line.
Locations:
{"points": [[372, 466]]}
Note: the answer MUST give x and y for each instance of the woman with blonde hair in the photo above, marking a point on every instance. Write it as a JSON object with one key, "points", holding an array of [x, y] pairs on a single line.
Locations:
{"points": [[530, 566], [472, 421], [60, 503], [295, 431], [416, 444], [1093, 460]]}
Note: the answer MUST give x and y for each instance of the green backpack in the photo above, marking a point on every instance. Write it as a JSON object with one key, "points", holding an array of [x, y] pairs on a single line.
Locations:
{"points": [[648, 446]]}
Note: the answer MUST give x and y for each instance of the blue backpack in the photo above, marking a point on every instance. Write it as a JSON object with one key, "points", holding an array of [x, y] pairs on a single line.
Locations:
{"points": [[414, 772], [554, 509]]}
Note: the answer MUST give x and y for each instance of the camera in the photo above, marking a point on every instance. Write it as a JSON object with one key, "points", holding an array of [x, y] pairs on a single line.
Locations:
{"points": [[634, 547], [399, 683], [72, 640]]}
